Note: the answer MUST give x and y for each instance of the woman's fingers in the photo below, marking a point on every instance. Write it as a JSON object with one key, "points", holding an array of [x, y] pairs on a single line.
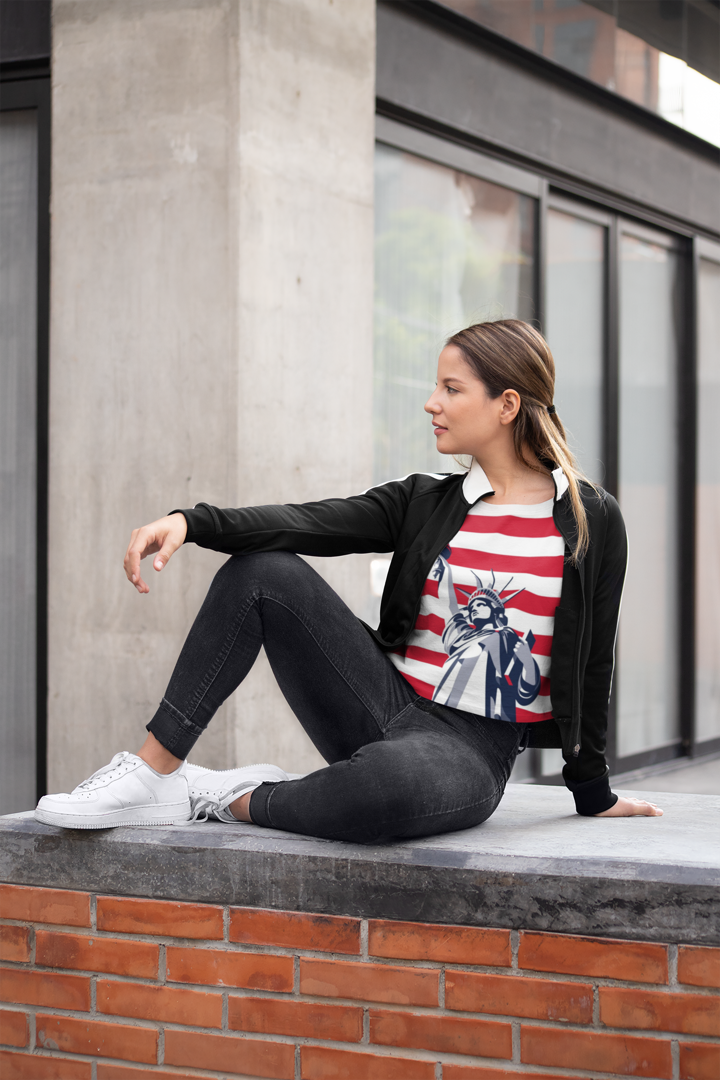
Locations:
{"points": [[631, 807], [140, 545], [172, 540], [164, 536]]}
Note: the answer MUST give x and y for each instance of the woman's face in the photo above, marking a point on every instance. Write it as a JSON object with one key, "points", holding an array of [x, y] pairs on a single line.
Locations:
{"points": [[466, 420]]}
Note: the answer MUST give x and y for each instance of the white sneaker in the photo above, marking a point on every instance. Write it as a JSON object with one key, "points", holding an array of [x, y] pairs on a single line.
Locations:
{"points": [[125, 792], [212, 792]]}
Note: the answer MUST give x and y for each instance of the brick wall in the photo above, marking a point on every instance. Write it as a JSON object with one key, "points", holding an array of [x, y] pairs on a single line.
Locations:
{"points": [[111, 988]]}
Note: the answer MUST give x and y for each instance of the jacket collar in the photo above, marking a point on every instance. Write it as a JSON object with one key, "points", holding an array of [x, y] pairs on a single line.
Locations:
{"points": [[476, 483]]}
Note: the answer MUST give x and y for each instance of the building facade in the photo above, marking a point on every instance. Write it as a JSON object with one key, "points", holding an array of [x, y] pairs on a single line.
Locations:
{"points": [[189, 304]]}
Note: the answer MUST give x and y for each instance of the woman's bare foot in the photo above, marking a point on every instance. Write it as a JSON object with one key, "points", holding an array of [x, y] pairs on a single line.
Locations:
{"points": [[157, 757]]}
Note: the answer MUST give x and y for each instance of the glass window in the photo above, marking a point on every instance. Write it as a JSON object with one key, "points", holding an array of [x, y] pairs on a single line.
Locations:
{"points": [[648, 641], [707, 640], [575, 314], [450, 250], [18, 456], [575, 329]]}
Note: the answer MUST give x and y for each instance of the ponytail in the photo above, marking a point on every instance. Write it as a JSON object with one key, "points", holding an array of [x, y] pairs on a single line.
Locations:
{"points": [[512, 355]]}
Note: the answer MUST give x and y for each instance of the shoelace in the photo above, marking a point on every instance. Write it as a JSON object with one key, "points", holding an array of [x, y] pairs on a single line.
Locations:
{"points": [[117, 764], [203, 806]]}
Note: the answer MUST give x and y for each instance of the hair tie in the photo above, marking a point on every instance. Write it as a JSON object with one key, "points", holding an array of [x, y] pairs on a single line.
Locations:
{"points": [[550, 409]]}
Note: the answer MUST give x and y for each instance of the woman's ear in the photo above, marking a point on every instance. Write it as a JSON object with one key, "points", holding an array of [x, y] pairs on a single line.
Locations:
{"points": [[510, 400]]}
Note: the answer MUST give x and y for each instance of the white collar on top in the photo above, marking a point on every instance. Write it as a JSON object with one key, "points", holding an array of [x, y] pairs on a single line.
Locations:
{"points": [[476, 483]]}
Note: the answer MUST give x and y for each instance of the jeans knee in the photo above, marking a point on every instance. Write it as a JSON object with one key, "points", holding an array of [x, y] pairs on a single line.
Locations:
{"points": [[272, 570]]}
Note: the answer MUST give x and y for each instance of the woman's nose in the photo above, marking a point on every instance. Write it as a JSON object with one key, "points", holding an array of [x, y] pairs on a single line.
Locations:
{"points": [[431, 405]]}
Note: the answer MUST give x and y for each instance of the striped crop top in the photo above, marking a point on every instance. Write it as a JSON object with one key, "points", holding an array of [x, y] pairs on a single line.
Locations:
{"points": [[483, 635]]}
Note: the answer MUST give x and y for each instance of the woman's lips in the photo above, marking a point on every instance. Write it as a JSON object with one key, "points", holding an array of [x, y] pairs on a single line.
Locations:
{"points": [[439, 430]]}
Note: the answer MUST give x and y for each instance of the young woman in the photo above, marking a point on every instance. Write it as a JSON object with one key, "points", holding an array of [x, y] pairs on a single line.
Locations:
{"points": [[497, 630]]}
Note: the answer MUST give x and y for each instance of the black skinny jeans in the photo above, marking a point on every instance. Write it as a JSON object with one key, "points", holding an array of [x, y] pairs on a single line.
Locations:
{"points": [[399, 766]]}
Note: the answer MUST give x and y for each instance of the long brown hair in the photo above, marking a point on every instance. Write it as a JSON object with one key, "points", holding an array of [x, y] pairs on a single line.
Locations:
{"points": [[512, 355]]}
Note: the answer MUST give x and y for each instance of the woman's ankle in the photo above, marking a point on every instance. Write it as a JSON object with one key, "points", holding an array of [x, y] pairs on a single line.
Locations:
{"points": [[154, 754], [240, 808]]}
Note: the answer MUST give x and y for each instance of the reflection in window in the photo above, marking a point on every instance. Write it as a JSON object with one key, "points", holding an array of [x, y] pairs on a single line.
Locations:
{"points": [[649, 633], [574, 324], [707, 640], [612, 52], [450, 250]]}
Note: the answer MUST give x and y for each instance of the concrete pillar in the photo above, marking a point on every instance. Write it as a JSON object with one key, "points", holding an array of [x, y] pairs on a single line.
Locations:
{"points": [[210, 328]]}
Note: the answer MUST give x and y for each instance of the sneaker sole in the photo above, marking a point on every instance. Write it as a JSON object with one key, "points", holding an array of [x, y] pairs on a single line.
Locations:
{"points": [[174, 814]]}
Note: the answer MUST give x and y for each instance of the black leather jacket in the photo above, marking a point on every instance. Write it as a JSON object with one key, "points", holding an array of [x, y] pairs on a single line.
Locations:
{"points": [[415, 518]]}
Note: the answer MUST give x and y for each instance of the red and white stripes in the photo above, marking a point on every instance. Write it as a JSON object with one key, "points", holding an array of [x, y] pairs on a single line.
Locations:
{"points": [[507, 548]]}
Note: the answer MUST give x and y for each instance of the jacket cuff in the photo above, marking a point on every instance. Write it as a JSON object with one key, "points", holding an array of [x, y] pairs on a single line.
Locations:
{"points": [[200, 523], [593, 796]]}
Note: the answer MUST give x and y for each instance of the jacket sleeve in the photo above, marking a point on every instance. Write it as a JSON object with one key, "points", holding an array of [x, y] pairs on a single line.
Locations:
{"points": [[362, 523], [587, 775]]}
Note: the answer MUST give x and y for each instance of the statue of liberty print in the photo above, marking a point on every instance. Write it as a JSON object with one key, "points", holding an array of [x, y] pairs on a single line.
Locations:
{"points": [[478, 641]]}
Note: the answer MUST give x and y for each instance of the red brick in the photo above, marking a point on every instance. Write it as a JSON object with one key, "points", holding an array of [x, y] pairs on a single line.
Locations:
{"points": [[477, 1072], [14, 1029], [507, 995], [445, 1034], [443, 944], [38, 1067], [85, 953], [302, 1018], [216, 967], [159, 1003], [15, 943], [18, 985], [626, 1055], [369, 982], [105, 1071], [226, 1054], [58, 906], [698, 966], [699, 1061], [634, 961], [129, 1043], [294, 930], [323, 1063], [692, 1014], [162, 917]]}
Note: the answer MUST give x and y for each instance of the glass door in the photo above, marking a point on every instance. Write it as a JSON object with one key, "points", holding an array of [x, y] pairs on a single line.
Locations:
{"points": [[707, 547], [575, 317], [450, 249], [18, 456], [575, 325], [650, 308]]}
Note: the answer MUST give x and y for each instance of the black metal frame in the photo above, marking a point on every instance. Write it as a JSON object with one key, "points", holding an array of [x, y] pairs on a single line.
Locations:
{"points": [[25, 91]]}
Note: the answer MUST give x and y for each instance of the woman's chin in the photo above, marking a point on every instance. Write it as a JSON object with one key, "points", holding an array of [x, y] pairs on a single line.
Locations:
{"points": [[449, 447]]}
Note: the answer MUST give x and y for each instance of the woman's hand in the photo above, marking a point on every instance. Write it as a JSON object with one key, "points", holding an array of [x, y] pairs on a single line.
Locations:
{"points": [[164, 536], [631, 808]]}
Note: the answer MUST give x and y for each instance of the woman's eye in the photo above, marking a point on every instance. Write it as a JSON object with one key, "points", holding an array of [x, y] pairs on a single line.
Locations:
{"points": [[451, 390]]}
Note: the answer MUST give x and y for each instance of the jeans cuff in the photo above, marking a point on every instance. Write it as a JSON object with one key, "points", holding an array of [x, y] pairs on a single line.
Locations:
{"points": [[259, 805], [173, 730]]}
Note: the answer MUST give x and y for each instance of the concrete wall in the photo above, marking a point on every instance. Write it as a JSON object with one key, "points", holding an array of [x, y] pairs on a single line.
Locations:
{"points": [[210, 328]]}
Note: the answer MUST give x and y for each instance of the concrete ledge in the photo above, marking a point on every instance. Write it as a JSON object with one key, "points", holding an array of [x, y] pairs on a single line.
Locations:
{"points": [[535, 865]]}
